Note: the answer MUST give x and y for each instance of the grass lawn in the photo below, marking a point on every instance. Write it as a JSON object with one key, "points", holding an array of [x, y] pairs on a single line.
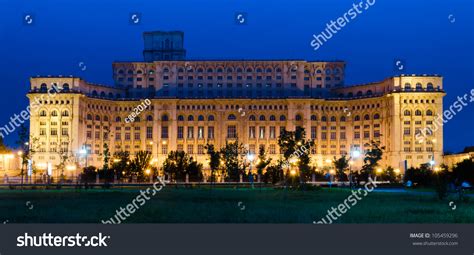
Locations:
{"points": [[221, 205]]}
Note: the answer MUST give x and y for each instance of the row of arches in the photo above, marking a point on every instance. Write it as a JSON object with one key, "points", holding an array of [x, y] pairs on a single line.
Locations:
{"points": [[418, 113], [54, 113], [221, 69]]}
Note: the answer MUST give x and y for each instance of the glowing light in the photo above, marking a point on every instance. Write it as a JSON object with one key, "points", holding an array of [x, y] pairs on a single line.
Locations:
{"points": [[293, 161], [379, 170], [147, 171], [250, 157], [355, 154], [434, 140], [432, 162], [397, 171], [351, 162], [151, 143], [116, 160], [83, 151], [123, 172], [8, 156], [328, 161], [332, 171], [299, 143], [293, 172], [41, 165], [436, 169], [71, 168], [20, 153], [164, 142]]}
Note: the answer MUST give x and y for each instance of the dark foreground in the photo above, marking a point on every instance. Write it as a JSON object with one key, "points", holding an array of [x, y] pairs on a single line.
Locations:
{"points": [[222, 205]]}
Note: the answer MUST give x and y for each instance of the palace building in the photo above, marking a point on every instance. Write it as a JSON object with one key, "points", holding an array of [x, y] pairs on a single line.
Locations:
{"points": [[195, 102]]}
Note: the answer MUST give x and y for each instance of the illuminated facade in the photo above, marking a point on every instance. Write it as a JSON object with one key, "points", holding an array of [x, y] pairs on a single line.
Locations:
{"points": [[198, 102]]}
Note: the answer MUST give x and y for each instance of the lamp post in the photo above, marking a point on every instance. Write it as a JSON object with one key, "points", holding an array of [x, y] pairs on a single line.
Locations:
{"points": [[250, 158], [355, 154]]}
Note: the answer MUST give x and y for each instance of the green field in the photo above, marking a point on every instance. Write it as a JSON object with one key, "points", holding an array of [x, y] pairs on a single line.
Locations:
{"points": [[221, 205]]}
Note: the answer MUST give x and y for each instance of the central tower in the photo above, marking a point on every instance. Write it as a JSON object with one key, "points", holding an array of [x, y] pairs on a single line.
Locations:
{"points": [[160, 45]]}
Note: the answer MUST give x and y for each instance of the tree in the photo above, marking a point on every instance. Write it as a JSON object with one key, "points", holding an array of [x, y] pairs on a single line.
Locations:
{"points": [[274, 172], [214, 159], [175, 164], [372, 157], [121, 163], [106, 151], [341, 164], [232, 155], [293, 144], [262, 162], [139, 164], [178, 164], [389, 175], [464, 172]]}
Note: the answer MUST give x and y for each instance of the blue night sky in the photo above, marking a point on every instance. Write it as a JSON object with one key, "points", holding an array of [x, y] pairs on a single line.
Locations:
{"points": [[65, 33]]}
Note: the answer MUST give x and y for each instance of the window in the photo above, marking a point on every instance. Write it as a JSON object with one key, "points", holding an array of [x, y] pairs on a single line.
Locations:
{"points": [[272, 149], [313, 132], [261, 133], [164, 132], [180, 132], [200, 149], [200, 133], [164, 149], [231, 131], [137, 136], [252, 132], [407, 113], [190, 133], [231, 117], [190, 149], [210, 132], [149, 132], [272, 133]]}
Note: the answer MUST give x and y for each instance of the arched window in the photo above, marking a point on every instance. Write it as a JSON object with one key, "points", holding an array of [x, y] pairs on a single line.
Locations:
{"points": [[149, 118], [407, 113], [324, 118], [369, 92], [314, 117], [343, 118], [429, 113], [44, 87], [230, 70], [130, 72], [54, 113], [164, 117], [89, 117], [417, 113], [419, 87], [249, 70], [272, 118], [350, 94], [269, 70], [429, 86], [298, 117], [180, 118], [118, 119], [252, 118], [94, 93], [219, 70], [333, 119], [359, 93], [282, 118], [200, 70], [366, 117], [102, 94], [42, 113], [111, 95], [106, 118], [210, 118], [376, 116], [65, 113], [262, 117], [407, 86], [357, 118], [231, 117], [200, 118], [65, 87], [209, 70], [97, 117], [190, 118]]}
